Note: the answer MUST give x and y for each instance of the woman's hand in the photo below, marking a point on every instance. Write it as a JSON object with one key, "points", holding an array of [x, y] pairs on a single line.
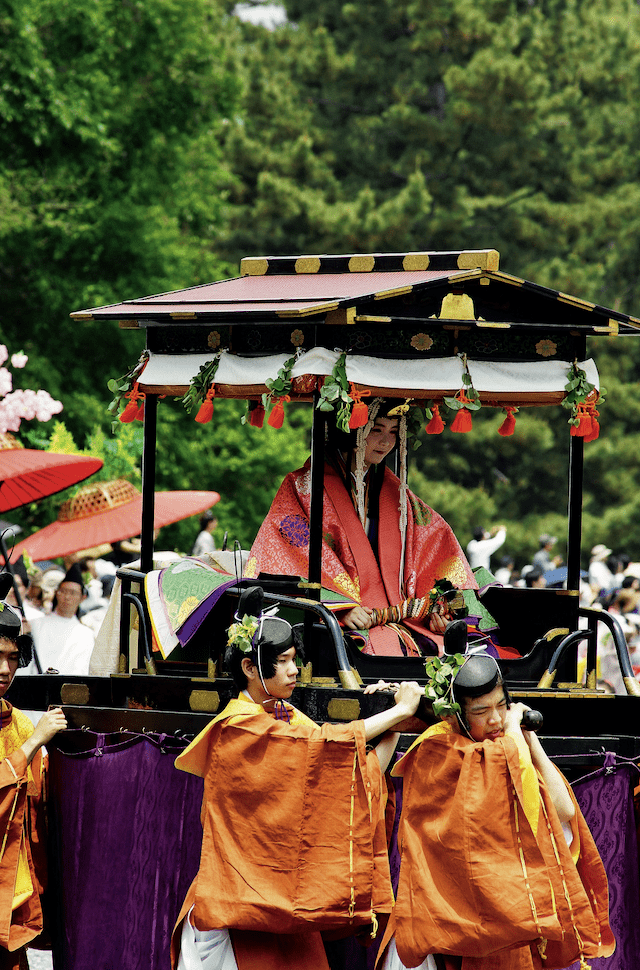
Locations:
{"points": [[359, 618]]}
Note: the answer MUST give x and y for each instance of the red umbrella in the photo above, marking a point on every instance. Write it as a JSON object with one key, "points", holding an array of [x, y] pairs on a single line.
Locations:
{"points": [[27, 475], [108, 512]]}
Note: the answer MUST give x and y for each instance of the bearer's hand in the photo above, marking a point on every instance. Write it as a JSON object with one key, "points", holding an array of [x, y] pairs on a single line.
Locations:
{"points": [[406, 693], [408, 696], [50, 724], [359, 618], [513, 717], [382, 685], [47, 727]]}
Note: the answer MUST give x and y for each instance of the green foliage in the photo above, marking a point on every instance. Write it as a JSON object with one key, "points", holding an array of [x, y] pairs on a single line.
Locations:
{"points": [[244, 464], [440, 675], [111, 180]]}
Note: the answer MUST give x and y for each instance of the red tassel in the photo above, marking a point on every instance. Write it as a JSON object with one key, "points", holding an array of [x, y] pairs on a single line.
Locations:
{"points": [[595, 430], [508, 426], [130, 412], [134, 404], [256, 416], [359, 415], [436, 425], [205, 412], [584, 423], [462, 422], [140, 411], [276, 417], [359, 411]]}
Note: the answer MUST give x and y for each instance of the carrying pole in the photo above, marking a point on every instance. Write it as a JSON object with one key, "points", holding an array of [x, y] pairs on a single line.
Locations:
{"points": [[574, 538], [148, 482]]}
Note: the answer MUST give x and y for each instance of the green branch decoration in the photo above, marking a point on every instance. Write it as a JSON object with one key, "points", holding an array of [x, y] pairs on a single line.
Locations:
{"points": [[279, 386], [334, 393], [467, 397], [201, 383], [441, 672], [465, 401], [241, 634], [120, 387], [415, 422], [581, 398]]}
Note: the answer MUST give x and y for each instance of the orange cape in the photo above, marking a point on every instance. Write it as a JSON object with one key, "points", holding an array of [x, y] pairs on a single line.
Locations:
{"points": [[349, 565], [23, 857], [293, 825], [484, 863]]}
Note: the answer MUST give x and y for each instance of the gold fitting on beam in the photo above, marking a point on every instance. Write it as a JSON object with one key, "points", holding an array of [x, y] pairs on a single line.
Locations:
{"points": [[343, 709], [349, 680], [253, 266], [77, 694], [547, 679], [361, 264], [558, 631], [207, 701]]}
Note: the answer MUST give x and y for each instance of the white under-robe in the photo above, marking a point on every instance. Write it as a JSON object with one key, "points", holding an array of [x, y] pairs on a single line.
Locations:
{"points": [[205, 949]]}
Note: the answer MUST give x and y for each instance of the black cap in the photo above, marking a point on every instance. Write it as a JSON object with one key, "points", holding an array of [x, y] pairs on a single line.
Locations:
{"points": [[74, 575], [478, 675], [10, 622], [276, 632]]}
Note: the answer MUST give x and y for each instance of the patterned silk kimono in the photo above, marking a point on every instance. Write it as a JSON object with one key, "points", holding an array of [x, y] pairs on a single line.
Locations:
{"points": [[353, 572]]}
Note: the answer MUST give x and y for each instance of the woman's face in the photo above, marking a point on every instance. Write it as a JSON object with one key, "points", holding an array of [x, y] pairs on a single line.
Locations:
{"points": [[380, 440]]}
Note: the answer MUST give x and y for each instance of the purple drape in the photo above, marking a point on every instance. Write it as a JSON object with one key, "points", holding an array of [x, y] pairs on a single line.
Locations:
{"points": [[606, 799], [125, 840]]}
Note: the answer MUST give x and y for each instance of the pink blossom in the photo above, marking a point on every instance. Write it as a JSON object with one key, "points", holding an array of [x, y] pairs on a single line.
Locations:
{"points": [[46, 407], [19, 405], [6, 381]]}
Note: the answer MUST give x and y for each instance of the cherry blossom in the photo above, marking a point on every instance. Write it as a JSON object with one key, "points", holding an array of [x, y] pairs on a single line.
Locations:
{"points": [[19, 405]]}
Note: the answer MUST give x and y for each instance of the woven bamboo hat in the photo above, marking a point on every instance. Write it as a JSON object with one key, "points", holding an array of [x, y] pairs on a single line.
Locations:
{"points": [[108, 512]]}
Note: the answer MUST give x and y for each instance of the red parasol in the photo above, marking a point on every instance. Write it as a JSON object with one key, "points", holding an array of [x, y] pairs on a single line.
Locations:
{"points": [[27, 475], [108, 512]]}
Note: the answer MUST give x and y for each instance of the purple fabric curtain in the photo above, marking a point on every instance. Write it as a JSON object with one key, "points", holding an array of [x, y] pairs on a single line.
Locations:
{"points": [[125, 840], [606, 799]]}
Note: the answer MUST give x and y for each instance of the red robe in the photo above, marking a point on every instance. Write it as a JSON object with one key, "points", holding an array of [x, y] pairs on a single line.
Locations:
{"points": [[22, 859], [349, 565], [293, 834], [485, 872]]}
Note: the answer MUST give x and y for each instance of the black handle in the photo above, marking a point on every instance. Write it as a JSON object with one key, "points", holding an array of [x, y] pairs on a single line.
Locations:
{"points": [[532, 721]]}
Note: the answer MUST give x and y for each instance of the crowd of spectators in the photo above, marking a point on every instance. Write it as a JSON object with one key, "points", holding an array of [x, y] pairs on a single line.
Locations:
{"points": [[611, 583]]}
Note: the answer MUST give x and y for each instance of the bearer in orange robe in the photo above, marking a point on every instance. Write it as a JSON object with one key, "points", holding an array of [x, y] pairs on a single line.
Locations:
{"points": [[22, 855], [498, 868], [293, 817]]}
